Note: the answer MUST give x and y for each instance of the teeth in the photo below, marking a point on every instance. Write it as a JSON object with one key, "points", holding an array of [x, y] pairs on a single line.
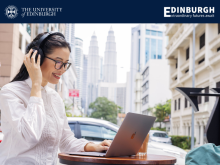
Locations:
{"points": [[57, 75]]}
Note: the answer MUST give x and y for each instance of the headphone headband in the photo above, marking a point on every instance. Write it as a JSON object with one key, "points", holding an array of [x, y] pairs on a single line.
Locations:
{"points": [[45, 36]]}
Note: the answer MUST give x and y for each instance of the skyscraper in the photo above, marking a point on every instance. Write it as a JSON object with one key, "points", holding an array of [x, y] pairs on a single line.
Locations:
{"points": [[101, 69], [110, 59], [68, 81], [79, 68], [84, 83], [93, 61], [93, 70]]}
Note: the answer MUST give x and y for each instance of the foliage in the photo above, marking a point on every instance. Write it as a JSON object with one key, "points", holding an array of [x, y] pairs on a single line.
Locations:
{"points": [[77, 116], [183, 142], [158, 129], [161, 111], [68, 107], [105, 109], [167, 107]]}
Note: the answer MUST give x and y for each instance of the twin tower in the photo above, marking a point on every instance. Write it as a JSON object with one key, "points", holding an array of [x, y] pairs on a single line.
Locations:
{"points": [[110, 60]]}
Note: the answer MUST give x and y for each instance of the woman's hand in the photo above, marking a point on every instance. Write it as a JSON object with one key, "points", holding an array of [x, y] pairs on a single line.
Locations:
{"points": [[103, 146], [33, 68]]}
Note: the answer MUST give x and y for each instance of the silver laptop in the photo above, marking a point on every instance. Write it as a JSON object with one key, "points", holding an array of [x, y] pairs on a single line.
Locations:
{"points": [[129, 137]]}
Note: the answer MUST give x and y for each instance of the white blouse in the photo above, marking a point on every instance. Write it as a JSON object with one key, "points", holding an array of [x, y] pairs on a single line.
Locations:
{"points": [[34, 128]]}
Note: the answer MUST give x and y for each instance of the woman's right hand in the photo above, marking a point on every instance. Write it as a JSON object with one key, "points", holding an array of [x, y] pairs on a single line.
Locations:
{"points": [[33, 68]]}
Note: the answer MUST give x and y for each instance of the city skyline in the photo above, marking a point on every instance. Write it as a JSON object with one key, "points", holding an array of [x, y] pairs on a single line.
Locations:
{"points": [[122, 33]]}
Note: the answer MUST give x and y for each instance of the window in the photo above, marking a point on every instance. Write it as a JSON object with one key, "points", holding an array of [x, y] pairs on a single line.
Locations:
{"points": [[186, 103], [207, 97], [147, 49], [20, 40], [36, 30], [218, 84], [187, 71], [160, 34], [218, 49], [145, 87], [145, 100], [147, 32], [187, 53], [72, 127], [108, 134], [159, 49], [139, 32], [175, 78], [202, 40], [162, 135], [179, 103], [28, 28], [26, 44], [201, 61], [93, 132], [175, 105], [145, 74], [48, 27], [153, 48], [176, 63], [139, 45], [218, 28], [153, 33]]}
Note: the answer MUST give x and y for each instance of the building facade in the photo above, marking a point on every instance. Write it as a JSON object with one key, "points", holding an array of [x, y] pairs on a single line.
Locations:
{"points": [[110, 59], [85, 84], [93, 70], [115, 92], [207, 73], [70, 77], [101, 69], [79, 68], [148, 69]]}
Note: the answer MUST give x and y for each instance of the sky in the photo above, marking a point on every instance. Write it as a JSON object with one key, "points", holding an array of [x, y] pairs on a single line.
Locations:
{"points": [[122, 34]]}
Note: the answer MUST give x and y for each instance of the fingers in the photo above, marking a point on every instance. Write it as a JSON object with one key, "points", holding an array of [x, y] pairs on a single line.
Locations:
{"points": [[104, 148], [106, 143], [27, 56], [38, 60], [33, 57]]}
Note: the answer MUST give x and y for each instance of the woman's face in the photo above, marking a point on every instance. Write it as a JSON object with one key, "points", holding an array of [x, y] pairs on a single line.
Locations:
{"points": [[49, 72]]}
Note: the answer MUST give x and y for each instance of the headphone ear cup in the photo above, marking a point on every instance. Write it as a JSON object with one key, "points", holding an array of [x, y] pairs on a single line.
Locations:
{"points": [[34, 49], [41, 56]]}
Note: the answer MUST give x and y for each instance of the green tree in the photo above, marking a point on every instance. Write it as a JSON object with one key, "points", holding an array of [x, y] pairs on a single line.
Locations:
{"points": [[161, 111], [68, 107], [167, 107], [103, 108]]}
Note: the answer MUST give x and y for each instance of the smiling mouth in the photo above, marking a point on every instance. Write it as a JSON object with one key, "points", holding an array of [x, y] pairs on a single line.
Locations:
{"points": [[56, 76]]}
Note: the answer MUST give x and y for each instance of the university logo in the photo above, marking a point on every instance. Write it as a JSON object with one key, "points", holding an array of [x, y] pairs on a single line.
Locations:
{"points": [[11, 11]]}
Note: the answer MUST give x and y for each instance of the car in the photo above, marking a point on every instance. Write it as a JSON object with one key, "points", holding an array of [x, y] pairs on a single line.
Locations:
{"points": [[159, 136], [97, 130]]}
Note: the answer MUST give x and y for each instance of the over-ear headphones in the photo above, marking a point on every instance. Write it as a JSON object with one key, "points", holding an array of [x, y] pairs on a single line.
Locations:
{"points": [[40, 42]]}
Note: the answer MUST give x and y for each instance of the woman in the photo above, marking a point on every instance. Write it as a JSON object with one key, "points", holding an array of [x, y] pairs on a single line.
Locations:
{"points": [[34, 122]]}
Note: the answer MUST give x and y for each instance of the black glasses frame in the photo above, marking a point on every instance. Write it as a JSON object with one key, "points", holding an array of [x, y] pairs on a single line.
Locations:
{"points": [[63, 64]]}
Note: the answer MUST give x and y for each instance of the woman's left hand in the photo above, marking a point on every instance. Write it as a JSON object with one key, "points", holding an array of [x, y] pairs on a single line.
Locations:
{"points": [[103, 146]]}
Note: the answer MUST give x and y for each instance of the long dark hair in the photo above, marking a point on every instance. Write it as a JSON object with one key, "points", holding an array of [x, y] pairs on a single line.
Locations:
{"points": [[52, 42]]}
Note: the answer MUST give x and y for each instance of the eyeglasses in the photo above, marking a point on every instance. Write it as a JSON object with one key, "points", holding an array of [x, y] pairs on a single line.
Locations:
{"points": [[60, 64]]}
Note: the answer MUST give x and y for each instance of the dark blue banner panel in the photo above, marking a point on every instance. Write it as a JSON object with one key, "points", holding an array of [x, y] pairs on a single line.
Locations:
{"points": [[100, 11]]}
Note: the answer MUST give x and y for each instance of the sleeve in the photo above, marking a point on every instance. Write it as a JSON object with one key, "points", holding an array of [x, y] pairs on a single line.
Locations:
{"points": [[27, 123], [68, 142]]}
